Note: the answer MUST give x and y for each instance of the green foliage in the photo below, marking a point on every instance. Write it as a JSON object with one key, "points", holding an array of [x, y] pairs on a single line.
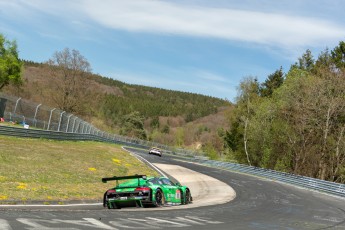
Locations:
{"points": [[133, 126], [306, 62], [338, 55], [298, 126], [10, 65], [159, 102], [166, 129], [273, 82], [179, 138], [211, 152], [155, 122]]}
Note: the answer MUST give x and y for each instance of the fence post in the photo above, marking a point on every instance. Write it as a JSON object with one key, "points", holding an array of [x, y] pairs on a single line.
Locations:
{"points": [[35, 121], [77, 128], [60, 120], [15, 107], [82, 130], [50, 117], [74, 124], [68, 122]]}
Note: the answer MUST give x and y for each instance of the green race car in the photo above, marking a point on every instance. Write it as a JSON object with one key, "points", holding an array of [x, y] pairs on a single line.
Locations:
{"points": [[143, 191]]}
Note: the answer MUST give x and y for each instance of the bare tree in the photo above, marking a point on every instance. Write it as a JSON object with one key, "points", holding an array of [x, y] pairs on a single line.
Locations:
{"points": [[68, 67]]}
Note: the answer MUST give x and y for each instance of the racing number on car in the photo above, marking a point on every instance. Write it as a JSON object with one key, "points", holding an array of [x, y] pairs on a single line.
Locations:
{"points": [[178, 194]]}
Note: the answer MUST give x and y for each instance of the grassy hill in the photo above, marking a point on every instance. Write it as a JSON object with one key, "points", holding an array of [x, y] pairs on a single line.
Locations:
{"points": [[169, 117], [60, 171]]}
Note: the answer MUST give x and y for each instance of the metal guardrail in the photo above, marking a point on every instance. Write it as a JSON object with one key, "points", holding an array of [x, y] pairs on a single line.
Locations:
{"points": [[45, 134], [328, 187]]}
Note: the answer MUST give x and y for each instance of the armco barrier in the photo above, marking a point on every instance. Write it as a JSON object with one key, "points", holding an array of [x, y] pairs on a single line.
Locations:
{"points": [[35, 133], [328, 187]]}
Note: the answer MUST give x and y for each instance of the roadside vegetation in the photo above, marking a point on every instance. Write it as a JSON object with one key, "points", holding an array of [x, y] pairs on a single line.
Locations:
{"points": [[47, 171], [294, 121]]}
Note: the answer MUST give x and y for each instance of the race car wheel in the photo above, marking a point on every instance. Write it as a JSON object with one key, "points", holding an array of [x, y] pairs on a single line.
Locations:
{"points": [[187, 197], [160, 200]]}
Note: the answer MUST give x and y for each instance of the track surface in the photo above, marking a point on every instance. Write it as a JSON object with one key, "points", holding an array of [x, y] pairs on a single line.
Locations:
{"points": [[259, 204]]}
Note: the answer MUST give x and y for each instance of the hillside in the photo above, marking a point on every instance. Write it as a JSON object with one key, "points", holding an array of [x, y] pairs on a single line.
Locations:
{"points": [[169, 117], [77, 170]]}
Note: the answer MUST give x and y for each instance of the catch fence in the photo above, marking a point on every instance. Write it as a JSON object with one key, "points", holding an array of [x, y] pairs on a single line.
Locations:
{"points": [[38, 116]]}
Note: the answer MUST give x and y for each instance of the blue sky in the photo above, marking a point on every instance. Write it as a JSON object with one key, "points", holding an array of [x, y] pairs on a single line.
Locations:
{"points": [[199, 46]]}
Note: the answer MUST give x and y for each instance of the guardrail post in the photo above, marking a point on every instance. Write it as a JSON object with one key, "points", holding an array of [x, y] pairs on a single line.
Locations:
{"points": [[50, 117], [60, 120]]}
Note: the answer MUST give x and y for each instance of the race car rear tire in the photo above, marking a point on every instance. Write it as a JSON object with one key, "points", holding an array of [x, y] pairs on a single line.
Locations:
{"points": [[160, 200]]}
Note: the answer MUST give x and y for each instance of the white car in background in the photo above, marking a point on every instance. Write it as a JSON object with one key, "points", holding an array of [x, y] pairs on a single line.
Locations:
{"points": [[155, 151]]}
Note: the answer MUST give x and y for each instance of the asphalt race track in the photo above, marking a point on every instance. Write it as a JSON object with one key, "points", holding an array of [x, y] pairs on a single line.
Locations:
{"points": [[259, 204]]}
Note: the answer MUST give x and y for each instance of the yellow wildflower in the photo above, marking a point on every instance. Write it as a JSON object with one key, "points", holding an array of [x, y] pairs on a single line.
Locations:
{"points": [[117, 161], [22, 186]]}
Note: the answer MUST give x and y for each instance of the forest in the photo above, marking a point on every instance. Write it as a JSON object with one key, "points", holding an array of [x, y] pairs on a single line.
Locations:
{"points": [[294, 122]]}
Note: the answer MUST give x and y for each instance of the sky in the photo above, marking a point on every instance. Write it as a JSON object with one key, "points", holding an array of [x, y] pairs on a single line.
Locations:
{"points": [[197, 46]]}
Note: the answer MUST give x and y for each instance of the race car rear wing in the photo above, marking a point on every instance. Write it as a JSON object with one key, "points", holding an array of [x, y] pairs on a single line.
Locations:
{"points": [[105, 179]]}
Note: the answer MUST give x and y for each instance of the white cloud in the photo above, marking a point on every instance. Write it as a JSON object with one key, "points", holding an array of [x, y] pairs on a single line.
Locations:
{"points": [[168, 18], [255, 25], [208, 76]]}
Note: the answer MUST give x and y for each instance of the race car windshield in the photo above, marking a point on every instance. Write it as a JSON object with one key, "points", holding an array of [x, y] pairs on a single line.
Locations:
{"points": [[154, 181]]}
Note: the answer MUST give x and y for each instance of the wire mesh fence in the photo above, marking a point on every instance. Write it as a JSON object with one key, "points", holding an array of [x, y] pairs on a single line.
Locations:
{"points": [[38, 116], [29, 114]]}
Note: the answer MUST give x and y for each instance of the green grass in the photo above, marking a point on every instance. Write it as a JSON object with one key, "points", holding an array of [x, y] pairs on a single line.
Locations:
{"points": [[47, 170]]}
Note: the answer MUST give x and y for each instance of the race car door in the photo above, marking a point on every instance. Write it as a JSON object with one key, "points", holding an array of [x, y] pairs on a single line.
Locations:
{"points": [[173, 194]]}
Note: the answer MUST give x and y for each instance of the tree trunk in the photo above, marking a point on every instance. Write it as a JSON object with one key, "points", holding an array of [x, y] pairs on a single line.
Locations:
{"points": [[245, 140]]}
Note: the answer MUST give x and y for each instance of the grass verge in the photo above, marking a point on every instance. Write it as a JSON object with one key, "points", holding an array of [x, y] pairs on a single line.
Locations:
{"points": [[51, 171]]}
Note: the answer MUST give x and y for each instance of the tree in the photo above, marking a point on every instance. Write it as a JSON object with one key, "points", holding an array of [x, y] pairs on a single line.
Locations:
{"points": [[10, 65], [306, 62], [68, 68], [338, 55], [273, 81], [133, 126], [248, 94]]}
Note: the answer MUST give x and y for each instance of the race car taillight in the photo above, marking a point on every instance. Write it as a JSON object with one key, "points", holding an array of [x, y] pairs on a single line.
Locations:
{"points": [[110, 191], [142, 189]]}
